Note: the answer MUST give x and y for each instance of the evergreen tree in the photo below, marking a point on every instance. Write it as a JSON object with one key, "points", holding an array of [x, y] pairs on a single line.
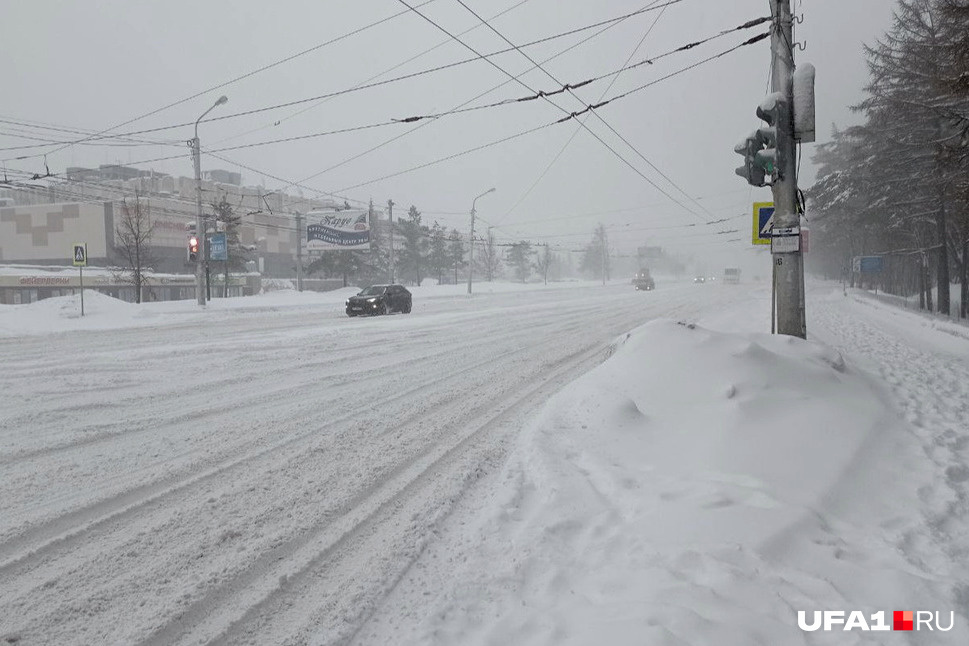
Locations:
{"points": [[438, 260], [228, 221], [519, 256], [413, 253], [595, 260], [455, 252]]}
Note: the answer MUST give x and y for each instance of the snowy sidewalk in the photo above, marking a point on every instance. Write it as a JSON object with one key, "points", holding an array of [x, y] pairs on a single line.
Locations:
{"points": [[927, 369]]}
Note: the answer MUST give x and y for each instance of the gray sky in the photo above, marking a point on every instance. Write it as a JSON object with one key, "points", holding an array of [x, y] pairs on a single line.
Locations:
{"points": [[94, 65]]}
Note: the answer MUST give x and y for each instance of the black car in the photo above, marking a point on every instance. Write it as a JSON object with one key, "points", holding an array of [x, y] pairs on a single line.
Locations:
{"points": [[380, 299], [644, 282]]}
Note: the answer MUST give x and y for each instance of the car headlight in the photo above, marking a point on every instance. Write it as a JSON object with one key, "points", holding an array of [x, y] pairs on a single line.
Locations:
{"points": [[371, 300], [347, 303]]}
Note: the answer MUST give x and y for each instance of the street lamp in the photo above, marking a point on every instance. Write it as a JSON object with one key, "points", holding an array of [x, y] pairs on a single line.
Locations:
{"points": [[471, 240], [196, 158]]}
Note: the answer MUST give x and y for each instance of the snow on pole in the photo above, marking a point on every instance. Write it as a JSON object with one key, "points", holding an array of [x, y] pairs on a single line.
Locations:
{"points": [[804, 130]]}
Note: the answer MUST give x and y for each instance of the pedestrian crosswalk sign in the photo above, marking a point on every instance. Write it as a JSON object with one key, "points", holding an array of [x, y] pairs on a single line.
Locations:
{"points": [[80, 255], [763, 222]]}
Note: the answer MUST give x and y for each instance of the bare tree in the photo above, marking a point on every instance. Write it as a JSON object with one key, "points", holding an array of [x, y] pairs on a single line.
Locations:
{"points": [[134, 236], [544, 262], [490, 258]]}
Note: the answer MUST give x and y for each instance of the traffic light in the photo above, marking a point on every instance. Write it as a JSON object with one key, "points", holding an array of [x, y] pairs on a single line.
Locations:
{"points": [[755, 174], [759, 149], [193, 248]]}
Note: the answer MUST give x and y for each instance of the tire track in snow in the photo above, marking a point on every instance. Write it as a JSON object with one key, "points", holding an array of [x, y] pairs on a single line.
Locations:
{"points": [[98, 538]]}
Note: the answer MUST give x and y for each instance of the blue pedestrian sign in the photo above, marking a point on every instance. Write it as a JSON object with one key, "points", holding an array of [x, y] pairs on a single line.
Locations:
{"points": [[868, 264], [763, 222], [218, 247]]}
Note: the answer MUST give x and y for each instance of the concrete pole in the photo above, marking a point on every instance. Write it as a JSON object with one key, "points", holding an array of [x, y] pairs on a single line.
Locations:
{"points": [[789, 266], [603, 255], [299, 252], [201, 264], [471, 239], [390, 213], [199, 229], [471, 251]]}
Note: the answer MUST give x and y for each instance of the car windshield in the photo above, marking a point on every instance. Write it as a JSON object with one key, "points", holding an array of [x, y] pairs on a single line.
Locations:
{"points": [[374, 290]]}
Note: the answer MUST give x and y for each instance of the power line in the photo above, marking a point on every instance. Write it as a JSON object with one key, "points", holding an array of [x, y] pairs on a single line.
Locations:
{"points": [[454, 155], [547, 100], [598, 116], [575, 132], [609, 24], [372, 78], [242, 77], [101, 134], [535, 129]]}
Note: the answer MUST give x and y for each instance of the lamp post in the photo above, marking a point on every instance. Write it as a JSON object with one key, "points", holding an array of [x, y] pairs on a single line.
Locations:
{"points": [[202, 233], [471, 239]]}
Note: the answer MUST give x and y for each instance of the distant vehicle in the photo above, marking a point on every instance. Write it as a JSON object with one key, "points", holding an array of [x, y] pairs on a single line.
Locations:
{"points": [[699, 279], [731, 275], [380, 299], [643, 281]]}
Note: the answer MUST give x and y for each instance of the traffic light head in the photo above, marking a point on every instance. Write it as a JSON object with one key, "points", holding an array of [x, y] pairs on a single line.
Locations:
{"points": [[760, 147], [193, 248], [753, 171]]}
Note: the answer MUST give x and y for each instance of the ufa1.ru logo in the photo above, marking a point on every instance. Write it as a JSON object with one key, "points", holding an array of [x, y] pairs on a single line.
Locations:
{"points": [[856, 620]]}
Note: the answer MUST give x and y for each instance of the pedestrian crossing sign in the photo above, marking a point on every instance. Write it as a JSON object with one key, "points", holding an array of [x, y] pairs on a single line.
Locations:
{"points": [[80, 255], [763, 222]]}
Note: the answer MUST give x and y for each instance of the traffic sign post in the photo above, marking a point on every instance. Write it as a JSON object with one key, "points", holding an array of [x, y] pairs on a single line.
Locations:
{"points": [[763, 222], [79, 257]]}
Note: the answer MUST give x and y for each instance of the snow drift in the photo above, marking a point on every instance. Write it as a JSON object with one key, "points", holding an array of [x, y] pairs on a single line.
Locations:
{"points": [[696, 488]]}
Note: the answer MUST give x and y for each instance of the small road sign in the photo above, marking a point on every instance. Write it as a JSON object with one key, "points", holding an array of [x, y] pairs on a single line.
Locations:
{"points": [[868, 264], [80, 255], [218, 247], [763, 221], [785, 240]]}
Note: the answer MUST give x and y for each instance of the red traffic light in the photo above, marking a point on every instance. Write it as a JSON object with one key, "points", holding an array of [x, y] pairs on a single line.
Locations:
{"points": [[193, 244]]}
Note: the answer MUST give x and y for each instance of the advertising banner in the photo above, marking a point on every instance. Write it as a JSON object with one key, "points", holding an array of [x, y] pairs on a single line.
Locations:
{"points": [[338, 231]]}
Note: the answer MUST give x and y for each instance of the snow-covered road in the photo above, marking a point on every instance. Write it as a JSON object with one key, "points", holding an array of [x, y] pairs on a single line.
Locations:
{"points": [[264, 475]]}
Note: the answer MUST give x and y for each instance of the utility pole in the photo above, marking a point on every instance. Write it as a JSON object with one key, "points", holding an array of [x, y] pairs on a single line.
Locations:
{"points": [[199, 268], [603, 256], [471, 239], [299, 252], [390, 213], [787, 258], [200, 230]]}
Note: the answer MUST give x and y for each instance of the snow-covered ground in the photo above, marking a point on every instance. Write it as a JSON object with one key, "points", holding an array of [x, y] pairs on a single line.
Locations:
{"points": [[565, 465]]}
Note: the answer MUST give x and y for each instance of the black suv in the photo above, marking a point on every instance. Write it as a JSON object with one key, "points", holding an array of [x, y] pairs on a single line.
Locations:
{"points": [[380, 299]]}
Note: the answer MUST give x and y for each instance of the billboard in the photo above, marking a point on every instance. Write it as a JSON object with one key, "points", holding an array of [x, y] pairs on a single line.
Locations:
{"points": [[338, 230]]}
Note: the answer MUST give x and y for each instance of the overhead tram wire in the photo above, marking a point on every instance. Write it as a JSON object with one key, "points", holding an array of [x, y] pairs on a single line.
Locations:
{"points": [[372, 78], [609, 24], [598, 116], [570, 116], [287, 104], [242, 77], [454, 155], [548, 100], [40, 128], [575, 132], [461, 107]]}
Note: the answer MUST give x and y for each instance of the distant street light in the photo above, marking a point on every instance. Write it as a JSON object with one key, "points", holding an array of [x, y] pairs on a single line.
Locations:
{"points": [[471, 239], [197, 159]]}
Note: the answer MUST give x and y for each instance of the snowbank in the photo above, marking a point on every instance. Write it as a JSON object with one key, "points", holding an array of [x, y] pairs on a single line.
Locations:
{"points": [[696, 488], [102, 312]]}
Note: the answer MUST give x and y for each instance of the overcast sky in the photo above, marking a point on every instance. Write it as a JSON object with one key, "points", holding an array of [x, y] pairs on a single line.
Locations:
{"points": [[95, 65]]}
